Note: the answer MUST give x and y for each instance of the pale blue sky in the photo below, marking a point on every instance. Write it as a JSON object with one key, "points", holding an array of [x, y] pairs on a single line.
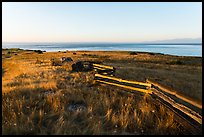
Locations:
{"points": [[100, 22]]}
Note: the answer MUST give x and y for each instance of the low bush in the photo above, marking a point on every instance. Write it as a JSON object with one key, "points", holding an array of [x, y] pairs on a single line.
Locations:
{"points": [[38, 51], [133, 53]]}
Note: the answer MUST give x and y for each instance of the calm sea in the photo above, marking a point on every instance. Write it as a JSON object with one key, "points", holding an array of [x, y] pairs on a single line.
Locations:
{"points": [[172, 49]]}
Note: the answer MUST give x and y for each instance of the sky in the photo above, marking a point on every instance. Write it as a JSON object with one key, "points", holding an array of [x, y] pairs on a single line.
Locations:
{"points": [[100, 21]]}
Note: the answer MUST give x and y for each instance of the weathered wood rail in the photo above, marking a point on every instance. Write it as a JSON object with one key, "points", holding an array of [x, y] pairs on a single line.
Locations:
{"points": [[105, 70], [123, 83], [177, 94], [183, 114], [187, 122]]}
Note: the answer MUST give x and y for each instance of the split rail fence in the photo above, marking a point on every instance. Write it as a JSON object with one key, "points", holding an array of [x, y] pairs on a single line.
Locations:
{"points": [[188, 117]]}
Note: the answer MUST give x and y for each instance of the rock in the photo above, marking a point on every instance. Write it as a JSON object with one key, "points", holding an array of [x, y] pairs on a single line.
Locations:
{"points": [[82, 66], [78, 107], [66, 59]]}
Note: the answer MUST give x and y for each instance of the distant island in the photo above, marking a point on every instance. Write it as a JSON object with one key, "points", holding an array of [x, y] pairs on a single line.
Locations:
{"points": [[177, 41]]}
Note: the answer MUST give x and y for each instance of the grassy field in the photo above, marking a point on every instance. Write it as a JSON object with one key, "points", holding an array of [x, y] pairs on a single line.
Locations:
{"points": [[39, 98]]}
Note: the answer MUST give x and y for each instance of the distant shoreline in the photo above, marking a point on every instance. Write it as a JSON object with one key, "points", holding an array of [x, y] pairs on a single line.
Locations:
{"points": [[64, 51], [179, 49]]}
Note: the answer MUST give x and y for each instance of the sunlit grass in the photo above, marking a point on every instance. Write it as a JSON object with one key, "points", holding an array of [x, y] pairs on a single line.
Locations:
{"points": [[36, 99]]}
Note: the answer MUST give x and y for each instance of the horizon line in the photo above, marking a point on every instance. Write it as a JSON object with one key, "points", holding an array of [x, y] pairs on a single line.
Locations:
{"points": [[118, 42]]}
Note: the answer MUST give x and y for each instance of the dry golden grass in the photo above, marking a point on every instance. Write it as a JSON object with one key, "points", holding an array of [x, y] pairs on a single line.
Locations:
{"points": [[36, 96]]}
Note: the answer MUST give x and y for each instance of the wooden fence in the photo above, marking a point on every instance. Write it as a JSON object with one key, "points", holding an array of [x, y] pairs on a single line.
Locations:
{"points": [[178, 95], [186, 116], [123, 83], [105, 70]]}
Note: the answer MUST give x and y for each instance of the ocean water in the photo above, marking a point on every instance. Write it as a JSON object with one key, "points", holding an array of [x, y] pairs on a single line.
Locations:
{"points": [[172, 49]]}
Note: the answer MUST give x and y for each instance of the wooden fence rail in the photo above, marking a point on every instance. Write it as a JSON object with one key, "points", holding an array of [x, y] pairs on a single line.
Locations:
{"points": [[103, 66], [127, 87], [176, 94], [189, 112], [126, 81], [188, 117], [105, 70]]}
